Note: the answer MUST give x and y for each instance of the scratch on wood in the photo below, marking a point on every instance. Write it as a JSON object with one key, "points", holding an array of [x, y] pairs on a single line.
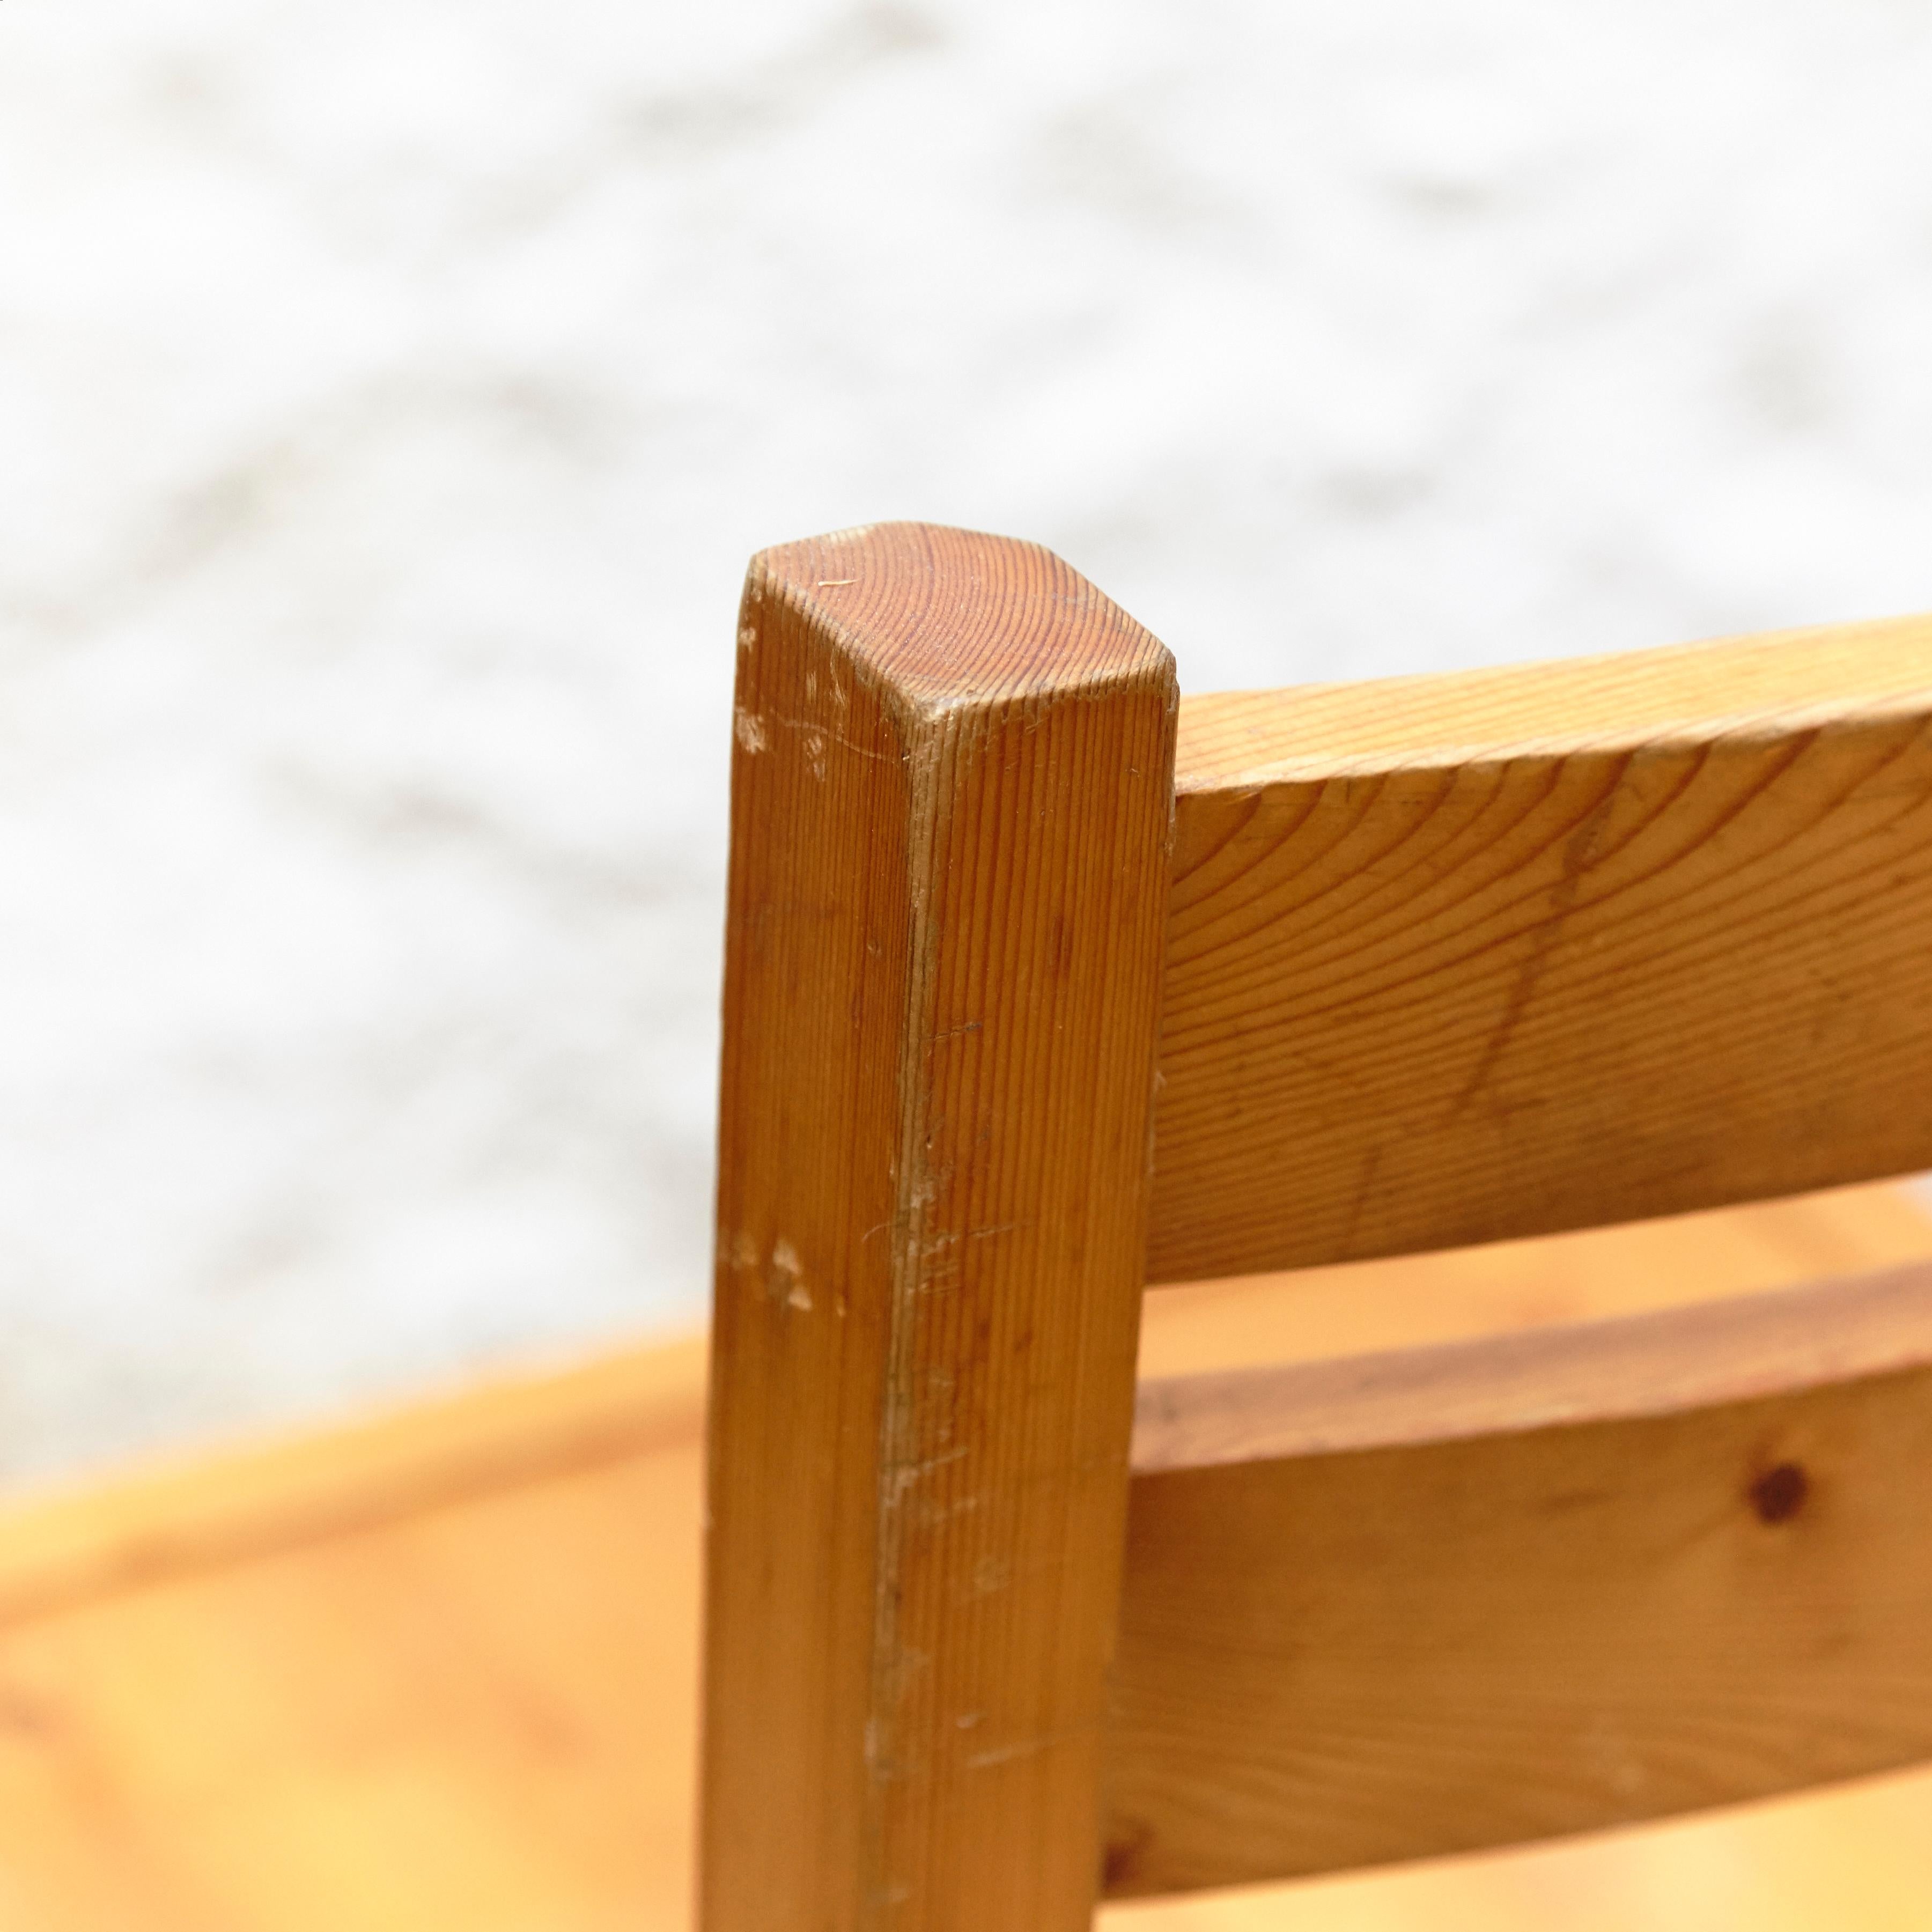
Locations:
{"points": [[788, 1276], [1026, 1748], [900, 1479], [817, 737], [936, 1245]]}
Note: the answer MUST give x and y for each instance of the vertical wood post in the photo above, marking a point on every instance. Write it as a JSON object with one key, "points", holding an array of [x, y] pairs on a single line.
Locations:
{"points": [[952, 799]]}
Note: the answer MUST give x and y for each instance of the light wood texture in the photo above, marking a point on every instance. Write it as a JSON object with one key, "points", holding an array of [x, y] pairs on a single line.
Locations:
{"points": [[1534, 1283], [71, 1548], [951, 809], [1705, 1355], [440, 1669], [449, 1678], [1398, 1605], [1454, 959]]}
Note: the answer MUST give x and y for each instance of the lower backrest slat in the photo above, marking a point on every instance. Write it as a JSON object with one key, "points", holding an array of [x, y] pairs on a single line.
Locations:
{"points": [[1398, 1606]]}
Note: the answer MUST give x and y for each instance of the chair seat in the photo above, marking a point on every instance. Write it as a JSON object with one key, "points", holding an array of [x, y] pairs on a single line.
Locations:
{"points": [[438, 1669]]}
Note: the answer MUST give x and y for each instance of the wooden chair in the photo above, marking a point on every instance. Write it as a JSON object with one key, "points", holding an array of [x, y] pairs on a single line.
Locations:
{"points": [[1027, 1010], [1408, 1562]]}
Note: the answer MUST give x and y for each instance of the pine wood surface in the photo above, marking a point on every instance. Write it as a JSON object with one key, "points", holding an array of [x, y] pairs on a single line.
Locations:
{"points": [[1657, 1364], [1456, 958], [453, 1682], [1532, 1283], [952, 801], [1392, 1606], [478, 1713], [183, 1519]]}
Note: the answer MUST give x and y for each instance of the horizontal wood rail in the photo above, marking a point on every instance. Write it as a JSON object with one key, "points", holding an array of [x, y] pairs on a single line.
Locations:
{"points": [[1455, 959], [1437, 1599]]}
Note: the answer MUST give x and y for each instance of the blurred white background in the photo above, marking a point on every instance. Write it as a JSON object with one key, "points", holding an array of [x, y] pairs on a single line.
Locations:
{"points": [[391, 393]]}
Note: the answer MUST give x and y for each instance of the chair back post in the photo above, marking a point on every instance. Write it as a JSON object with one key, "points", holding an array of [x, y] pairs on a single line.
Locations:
{"points": [[952, 811]]}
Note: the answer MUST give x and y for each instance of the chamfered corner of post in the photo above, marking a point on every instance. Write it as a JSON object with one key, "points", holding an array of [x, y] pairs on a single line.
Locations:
{"points": [[944, 619]]}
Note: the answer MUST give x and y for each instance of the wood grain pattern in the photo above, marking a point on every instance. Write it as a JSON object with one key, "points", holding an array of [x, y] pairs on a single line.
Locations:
{"points": [[440, 1669], [952, 804], [1421, 1603], [1453, 959]]}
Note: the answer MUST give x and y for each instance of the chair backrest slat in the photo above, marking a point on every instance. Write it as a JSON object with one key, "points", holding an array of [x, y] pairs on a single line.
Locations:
{"points": [[1456, 959], [1439, 1599]]}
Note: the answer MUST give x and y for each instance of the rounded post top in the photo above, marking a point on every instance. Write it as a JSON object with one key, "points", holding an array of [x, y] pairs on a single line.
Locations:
{"points": [[945, 618]]}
